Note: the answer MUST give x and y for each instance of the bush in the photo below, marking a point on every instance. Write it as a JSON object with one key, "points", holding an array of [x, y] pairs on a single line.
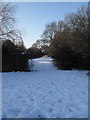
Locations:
{"points": [[34, 52], [66, 58], [13, 58], [14, 62]]}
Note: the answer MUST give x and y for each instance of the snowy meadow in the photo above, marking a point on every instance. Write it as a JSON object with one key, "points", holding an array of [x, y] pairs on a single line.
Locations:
{"points": [[45, 93]]}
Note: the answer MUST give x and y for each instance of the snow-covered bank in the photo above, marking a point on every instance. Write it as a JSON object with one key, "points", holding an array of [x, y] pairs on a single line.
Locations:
{"points": [[47, 92], [0, 96]]}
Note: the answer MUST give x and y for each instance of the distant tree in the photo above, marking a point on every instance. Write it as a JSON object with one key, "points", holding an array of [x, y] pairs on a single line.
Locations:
{"points": [[34, 45], [38, 43], [60, 26], [49, 32], [42, 45], [34, 52]]}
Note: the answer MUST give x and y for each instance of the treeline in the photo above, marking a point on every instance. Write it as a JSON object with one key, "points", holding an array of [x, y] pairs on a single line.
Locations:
{"points": [[34, 52], [67, 41], [14, 57]]}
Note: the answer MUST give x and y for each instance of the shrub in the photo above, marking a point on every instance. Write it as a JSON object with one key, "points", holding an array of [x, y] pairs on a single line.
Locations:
{"points": [[34, 52], [66, 58], [13, 58]]}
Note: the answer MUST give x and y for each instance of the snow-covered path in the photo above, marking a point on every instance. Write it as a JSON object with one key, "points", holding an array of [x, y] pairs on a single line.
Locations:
{"points": [[46, 93]]}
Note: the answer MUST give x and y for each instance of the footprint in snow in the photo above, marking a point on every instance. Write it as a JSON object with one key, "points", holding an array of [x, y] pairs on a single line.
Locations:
{"points": [[31, 99], [84, 93], [70, 110], [50, 91], [11, 88], [36, 113], [52, 83], [28, 86], [60, 101], [50, 110], [44, 97]]}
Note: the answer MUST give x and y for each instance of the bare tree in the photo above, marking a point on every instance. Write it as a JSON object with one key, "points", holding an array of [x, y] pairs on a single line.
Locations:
{"points": [[38, 42], [34, 45], [60, 26], [7, 21], [49, 31], [79, 26]]}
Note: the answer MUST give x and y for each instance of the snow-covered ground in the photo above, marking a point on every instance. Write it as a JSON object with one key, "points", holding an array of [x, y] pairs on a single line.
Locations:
{"points": [[0, 96], [46, 93]]}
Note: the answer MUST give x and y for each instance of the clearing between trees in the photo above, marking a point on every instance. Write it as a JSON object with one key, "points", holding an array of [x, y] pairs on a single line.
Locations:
{"points": [[45, 93]]}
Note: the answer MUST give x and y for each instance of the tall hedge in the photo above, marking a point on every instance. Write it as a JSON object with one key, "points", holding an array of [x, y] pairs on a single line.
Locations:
{"points": [[13, 57]]}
